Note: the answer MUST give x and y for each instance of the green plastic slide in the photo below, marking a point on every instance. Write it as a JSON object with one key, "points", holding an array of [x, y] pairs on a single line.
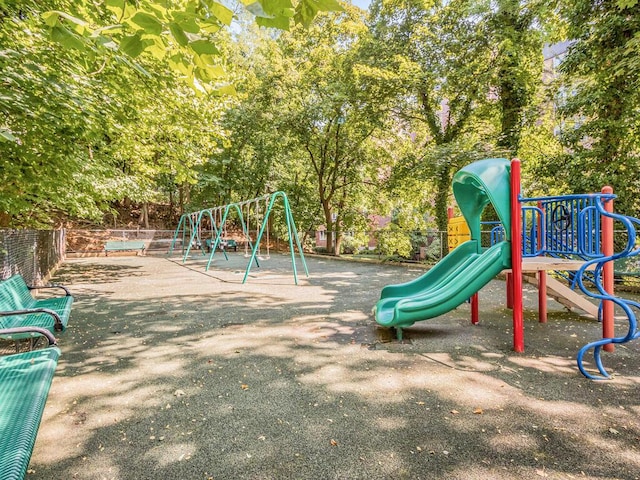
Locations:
{"points": [[442, 289], [468, 268]]}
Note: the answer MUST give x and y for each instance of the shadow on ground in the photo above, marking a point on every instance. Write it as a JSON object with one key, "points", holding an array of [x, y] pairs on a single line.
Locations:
{"points": [[169, 373]]}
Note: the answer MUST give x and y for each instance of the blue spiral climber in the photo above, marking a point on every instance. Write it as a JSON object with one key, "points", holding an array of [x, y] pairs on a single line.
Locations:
{"points": [[627, 306]]}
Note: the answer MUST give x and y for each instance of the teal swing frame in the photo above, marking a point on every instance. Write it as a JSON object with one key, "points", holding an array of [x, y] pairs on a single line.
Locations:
{"points": [[191, 222]]}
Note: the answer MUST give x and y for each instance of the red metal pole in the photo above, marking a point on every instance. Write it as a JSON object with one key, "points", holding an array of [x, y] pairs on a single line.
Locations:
{"points": [[516, 257], [608, 330], [542, 296], [475, 318], [542, 275]]}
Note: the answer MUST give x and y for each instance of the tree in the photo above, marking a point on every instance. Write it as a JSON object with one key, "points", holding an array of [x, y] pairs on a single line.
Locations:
{"points": [[435, 58], [518, 30], [49, 120], [180, 32], [72, 143], [333, 117], [90, 95], [600, 125]]}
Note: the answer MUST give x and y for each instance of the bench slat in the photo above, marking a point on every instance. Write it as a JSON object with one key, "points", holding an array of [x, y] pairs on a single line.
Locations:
{"points": [[25, 379], [122, 245], [15, 296]]}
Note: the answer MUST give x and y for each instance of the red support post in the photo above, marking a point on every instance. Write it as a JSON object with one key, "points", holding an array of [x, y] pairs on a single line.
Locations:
{"points": [[509, 276], [542, 296], [516, 257], [608, 329], [475, 317], [542, 274]]}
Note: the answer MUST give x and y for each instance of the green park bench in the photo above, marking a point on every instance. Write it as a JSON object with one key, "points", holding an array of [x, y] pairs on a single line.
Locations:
{"points": [[18, 308], [25, 380], [225, 244], [123, 245]]}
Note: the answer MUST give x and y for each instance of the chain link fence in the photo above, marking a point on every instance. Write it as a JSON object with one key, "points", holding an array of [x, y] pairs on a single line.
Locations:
{"points": [[86, 242], [81, 242], [34, 254]]}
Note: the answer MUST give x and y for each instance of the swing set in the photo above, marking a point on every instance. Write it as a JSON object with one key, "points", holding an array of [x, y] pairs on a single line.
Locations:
{"points": [[209, 227]]}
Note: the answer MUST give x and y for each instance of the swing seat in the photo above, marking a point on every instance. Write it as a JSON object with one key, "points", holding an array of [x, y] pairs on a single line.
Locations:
{"points": [[226, 244], [230, 243]]}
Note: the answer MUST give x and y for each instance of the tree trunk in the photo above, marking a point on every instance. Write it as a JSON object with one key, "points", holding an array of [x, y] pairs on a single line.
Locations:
{"points": [[442, 200], [338, 237], [144, 216], [171, 203], [184, 196], [329, 224]]}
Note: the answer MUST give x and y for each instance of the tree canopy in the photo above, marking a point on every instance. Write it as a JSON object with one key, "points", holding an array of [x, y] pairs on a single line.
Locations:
{"points": [[356, 114]]}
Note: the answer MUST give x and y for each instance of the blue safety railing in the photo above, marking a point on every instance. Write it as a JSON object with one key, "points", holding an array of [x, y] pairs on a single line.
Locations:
{"points": [[552, 228], [570, 227], [556, 226]]}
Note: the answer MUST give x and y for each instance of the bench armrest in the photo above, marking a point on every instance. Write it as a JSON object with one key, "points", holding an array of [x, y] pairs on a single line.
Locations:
{"points": [[42, 331], [58, 321], [66, 290]]}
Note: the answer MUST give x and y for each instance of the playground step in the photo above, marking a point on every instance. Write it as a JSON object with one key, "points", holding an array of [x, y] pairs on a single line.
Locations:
{"points": [[564, 295]]}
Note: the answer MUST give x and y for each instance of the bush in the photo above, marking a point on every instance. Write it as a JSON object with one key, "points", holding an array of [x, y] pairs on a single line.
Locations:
{"points": [[392, 241], [433, 248], [349, 245]]}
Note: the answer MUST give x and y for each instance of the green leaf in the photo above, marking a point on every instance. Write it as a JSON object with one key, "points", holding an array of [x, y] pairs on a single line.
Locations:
{"points": [[211, 25], [7, 136], [281, 23], [178, 34], [180, 64], [221, 12], [150, 24], [209, 72], [622, 4], [256, 10], [204, 47], [157, 50], [159, 11], [217, 71], [329, 5], [187, 21], [226, 90], [116, 6], [276, 7], [132, 45], [66, 38], [50, 18], [307, 10]]}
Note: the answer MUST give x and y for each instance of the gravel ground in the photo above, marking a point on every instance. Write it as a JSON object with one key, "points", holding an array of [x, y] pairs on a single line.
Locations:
{"points": [[171, 372]]}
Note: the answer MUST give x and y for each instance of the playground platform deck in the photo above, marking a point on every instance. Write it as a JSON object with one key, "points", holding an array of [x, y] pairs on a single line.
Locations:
{"points": [[534, 264], [168, 371]]}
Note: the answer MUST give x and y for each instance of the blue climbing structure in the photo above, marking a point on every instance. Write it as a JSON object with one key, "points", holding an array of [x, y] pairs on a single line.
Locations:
{"points": [[570, 227]]}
